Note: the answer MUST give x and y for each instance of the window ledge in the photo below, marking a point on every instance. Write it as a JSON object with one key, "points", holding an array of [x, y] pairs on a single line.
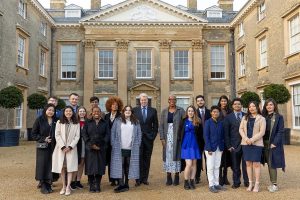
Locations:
{"points": [[218, 80], [286, 58], [22, 67], [263, 68], [105, 79], [43, 76], [146, 79], [242, 77], [66, 79]]}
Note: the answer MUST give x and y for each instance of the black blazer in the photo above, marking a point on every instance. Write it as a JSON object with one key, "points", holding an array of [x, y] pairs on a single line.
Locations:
{"points": [[150, 126], [231, 131], [206, 114], [107, 118]]}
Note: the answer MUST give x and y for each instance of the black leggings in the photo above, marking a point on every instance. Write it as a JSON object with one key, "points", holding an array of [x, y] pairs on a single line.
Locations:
{"points": [[125, 166]]}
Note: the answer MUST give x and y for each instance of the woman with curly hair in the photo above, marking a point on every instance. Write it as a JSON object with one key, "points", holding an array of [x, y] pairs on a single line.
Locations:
{"points": [[114, 106]]}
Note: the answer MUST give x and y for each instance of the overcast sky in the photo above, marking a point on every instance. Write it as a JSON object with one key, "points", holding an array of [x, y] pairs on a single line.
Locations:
{"points": [[202, 4]]}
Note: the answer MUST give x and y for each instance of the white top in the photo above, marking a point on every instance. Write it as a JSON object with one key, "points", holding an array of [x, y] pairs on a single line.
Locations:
{"points": [[126, 135]]}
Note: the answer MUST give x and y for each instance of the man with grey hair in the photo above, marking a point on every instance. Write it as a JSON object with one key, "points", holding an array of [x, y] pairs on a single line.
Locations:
{"points": [[149, 126]]}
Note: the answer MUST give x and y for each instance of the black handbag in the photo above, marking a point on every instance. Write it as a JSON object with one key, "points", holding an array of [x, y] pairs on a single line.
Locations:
{"points": [[43, 145]]}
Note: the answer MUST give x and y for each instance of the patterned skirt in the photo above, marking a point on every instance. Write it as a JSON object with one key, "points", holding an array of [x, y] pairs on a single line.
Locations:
{"points": [[170, 165]]}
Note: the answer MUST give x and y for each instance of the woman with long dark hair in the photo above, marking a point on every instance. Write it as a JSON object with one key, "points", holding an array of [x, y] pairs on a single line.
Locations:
{"points": [[43, 132], [82, 117], [114, 106], [252, 130], [126, 138], [225, 110], [273, 144], [190, 151], [65, 157]]}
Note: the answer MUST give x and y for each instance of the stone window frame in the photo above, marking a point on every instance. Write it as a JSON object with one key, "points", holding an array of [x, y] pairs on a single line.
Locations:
{"points": [[292, 85], [241, 68], [59, 53], [21, 33], [22, 108], [22, 9], [241, 29], [260, 37], [136, 62], [45, 50], [261, 11], [184, 96], [226, 57], [190, 61], [43, 28], [98, 63]]}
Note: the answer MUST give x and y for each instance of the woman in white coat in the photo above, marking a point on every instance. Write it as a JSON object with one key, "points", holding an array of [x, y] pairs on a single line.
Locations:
{"points": [[65, 158]]}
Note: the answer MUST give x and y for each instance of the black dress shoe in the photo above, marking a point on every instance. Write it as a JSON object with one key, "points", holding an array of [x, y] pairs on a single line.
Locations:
{"points": [[186, 185], [73, 185], [121, 188], [192, 184], [246, 184], [44, 189], [137, 183], [49, 188], [197, 180], [235, 186], [145, 182]]}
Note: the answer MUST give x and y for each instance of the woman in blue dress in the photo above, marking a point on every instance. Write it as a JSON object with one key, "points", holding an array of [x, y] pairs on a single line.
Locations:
{"points": [[190, 151]]}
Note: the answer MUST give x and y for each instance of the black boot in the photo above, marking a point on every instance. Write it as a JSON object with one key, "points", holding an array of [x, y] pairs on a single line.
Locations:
{"points": [[44, 189], [169, 179], [97, 183], [176, 179], [92, 184], [186, 185], [192, 184], [49, 187]]}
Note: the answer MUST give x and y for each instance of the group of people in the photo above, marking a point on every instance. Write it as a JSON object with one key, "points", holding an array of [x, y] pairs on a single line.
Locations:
{"points": [[76, 139]]}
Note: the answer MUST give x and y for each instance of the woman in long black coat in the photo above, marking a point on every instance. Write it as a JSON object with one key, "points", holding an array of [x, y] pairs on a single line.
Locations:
{"points": [[114, 106], [223, 104], [43, 132], [96, 136]]}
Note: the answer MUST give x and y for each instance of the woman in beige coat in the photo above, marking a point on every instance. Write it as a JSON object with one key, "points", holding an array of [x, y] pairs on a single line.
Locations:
{"points": [[252, 130], [65, 158]]}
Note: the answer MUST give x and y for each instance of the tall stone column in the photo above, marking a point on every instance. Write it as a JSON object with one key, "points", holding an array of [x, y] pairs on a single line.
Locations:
{"points": [[198, 67], [122, 46], [89, 68], [164, 72]]}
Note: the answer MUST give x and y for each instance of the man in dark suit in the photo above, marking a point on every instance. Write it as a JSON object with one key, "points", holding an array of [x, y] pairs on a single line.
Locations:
{"points": [[233, 143], [203, 114], [149, 126]]}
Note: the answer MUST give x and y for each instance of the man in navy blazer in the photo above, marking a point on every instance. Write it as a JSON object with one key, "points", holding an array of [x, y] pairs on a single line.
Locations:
{"points": [[147, 117], [233, 143], [204, 114]]}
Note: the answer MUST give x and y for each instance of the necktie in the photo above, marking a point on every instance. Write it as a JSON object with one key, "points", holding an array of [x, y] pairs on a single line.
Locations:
{"points": [[144, 114], [239, 117], [202, 117]]}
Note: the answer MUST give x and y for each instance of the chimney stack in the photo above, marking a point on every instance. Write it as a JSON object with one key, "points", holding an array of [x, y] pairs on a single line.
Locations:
{"points": [[95, 4], [192, 4], [58, 4], [226, 5]]}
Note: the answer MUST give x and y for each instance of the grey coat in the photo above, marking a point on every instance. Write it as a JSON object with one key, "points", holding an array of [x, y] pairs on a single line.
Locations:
{"points": [[116, 168], [163, 131]]}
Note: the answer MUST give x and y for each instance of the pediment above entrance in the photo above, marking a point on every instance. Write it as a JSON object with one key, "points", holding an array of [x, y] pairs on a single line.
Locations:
{"points": [[144, 87], [144, 11]]}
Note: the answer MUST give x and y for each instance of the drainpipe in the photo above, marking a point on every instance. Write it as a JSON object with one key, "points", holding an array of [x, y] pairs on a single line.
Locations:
{"points": [[52, 61], [232, 70]]}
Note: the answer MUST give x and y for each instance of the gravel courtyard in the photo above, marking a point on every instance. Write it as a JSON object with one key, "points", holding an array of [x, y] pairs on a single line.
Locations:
{"points": [[17, 168]]}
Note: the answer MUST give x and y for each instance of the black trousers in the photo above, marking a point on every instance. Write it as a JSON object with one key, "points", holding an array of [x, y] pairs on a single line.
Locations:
{"points": [[200, 165], [237, 159], [125, 166], [146, 149]]}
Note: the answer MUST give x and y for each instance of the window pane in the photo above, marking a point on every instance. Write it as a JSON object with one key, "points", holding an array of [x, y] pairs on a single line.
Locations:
{"points": [[217, 60], [69, 61], [143, 63], [181, 64], [296, 105], [183, 102], [106, 63]]}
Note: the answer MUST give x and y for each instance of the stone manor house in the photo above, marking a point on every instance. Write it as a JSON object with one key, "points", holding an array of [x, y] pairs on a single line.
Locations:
{"points": [[149, 46]]}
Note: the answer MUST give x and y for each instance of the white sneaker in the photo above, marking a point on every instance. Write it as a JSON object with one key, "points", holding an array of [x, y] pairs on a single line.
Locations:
{"points": [[273, 188]]}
